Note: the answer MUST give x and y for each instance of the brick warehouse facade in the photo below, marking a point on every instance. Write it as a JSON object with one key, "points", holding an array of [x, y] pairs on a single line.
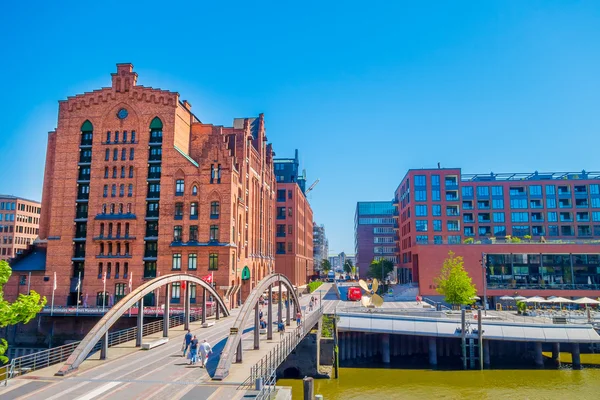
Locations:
{"points": [[136, 186]]}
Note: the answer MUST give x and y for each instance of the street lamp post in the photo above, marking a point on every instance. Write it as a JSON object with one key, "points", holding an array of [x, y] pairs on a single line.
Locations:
{"points": [[483, 255]]}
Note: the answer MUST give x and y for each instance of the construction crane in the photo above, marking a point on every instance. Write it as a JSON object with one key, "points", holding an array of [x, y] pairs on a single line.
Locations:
{"points": [[312, 186]]}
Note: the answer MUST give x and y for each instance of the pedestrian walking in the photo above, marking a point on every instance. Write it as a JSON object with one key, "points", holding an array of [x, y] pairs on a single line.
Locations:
{"points": [[310, 306], [194, 350], [205, 350], [281, 328], [186, 342], [260, 314], [298, 318]]}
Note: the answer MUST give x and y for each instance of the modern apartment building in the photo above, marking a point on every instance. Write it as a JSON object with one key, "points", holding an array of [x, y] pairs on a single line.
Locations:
{"points": [[136, 186], [19, 225], [294, 223], [320, 245], [534, 231], [374, 233]]}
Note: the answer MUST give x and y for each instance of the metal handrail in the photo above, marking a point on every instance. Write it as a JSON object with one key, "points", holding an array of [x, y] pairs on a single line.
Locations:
{"points": [[266, 368], [55, 355]]}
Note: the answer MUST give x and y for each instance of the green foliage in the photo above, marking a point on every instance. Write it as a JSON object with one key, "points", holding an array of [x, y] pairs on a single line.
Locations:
{"points": [[376, 267], [468, 241], [521, 307], [353, 270], [515, 239], [348, 266], [24, 309], [454, 282], [327, 330], [312, 286], [325, 265]]}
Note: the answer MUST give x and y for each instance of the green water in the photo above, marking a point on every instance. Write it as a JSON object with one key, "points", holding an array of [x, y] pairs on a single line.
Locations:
{"points": [[389, 384]]}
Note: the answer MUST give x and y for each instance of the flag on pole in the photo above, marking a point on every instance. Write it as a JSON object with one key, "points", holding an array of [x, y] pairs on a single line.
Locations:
{"points": [[207, 278], [78, 283], [54, 287], [104, 278], [130, 282], [182, 285]]}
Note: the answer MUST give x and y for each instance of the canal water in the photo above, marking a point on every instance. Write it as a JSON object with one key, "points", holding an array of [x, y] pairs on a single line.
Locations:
{"points": [[409, 384]]}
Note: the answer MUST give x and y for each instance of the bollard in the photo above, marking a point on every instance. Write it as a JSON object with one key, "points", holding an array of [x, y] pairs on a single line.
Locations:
{"points": [[309, 388], [258, 385]]}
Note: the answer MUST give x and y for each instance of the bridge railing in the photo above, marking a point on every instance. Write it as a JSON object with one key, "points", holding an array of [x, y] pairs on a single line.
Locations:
{"points": [[45, 358], [265, 370]]}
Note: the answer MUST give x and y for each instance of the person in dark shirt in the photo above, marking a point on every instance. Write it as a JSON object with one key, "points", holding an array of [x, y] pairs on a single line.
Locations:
{"points": [[194, 350], [186, 341]]}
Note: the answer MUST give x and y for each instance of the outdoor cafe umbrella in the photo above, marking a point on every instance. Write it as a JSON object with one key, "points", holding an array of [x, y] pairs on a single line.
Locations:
{"points": [[586, 300], [536, 299], [520, 298], [507, 298], [475, 298], [560, 300]]}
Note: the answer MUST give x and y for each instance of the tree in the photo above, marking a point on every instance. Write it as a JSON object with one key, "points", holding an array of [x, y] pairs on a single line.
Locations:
{"points": [[23, 309], [454, 282], [376, 268], [325, 265], [353, 271], [348, 265]]}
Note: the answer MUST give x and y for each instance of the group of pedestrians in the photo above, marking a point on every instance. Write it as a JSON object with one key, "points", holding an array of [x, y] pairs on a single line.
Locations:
{"points": [[196, 348]]}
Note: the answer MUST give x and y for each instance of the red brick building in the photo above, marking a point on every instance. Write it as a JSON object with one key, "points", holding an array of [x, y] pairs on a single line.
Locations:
{"points": [[136, 186], [293, 223], [535, 232], [19, 225]]}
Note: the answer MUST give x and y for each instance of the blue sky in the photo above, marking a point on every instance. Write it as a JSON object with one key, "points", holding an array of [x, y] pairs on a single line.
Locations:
{"points": [[365, 90]]}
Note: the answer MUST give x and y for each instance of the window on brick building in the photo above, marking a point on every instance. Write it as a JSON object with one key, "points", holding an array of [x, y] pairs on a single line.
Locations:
{"points": [[124, 136], [177, 233], [112, 208], [193, 210], [131, 153], [213, 262], [107, 155], [289, 211], [290, 229], [125, 270], [131, 172], [115, 154], [179, 210], [193, 233], [105, 172], [121, 190], [179, 187], [101, 252], [105, 191], [110, 229], [122, 172], [192, 261], [132, 136], [130, 190], [117, 270], [214, 233], [123, 154], [108, 270], [110, 249], [289, 247], [116, 136], [126, 248], [126, 229], [118, 229], [100, 270], [175, 292], [108, 137], [194, 190], [176, 261], [113, 190], [102, 229], [128, 208], [214, 210], [119, 291]]}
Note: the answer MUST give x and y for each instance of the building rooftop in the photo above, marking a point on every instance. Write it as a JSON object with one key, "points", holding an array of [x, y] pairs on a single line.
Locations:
{"points": [[11, 197], [528, 176]]}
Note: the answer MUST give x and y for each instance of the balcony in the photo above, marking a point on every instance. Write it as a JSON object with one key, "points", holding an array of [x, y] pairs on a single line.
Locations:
{"points": [[582, 203], [85, 160], [451, 197], [154, 175], [151, 233], [281, 216], [156, 138], [150, 253], [468, 220], [153, 195], [149, 273], [155, 157], [115, 216], [280, 234], [484, 220], [81, 215], [83, 178], [83, 196]]}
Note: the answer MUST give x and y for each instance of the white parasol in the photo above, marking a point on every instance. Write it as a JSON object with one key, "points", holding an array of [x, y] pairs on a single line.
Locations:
{"points": [[586, 300], [507, 298]]}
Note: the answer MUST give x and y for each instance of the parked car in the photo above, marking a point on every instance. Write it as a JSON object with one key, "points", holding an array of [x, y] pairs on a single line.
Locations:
{"points": [[354, 293]]}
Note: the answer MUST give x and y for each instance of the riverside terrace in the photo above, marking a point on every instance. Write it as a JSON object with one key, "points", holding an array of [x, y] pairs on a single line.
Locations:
{"points": [[449, 336]]}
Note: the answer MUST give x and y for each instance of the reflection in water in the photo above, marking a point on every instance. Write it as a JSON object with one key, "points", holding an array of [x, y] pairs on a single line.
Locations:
{"points": [[388, 384]]}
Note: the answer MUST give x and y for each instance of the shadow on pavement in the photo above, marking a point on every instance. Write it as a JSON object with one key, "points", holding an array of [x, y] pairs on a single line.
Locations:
{"points": [[213, 360]]}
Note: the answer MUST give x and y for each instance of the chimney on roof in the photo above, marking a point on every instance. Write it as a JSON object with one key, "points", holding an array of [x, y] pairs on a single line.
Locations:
{"points": [[187, 105], [125, 78]]}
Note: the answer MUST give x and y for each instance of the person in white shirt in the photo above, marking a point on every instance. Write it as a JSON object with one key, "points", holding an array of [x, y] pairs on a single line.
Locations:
{"points": [[205, 350]]}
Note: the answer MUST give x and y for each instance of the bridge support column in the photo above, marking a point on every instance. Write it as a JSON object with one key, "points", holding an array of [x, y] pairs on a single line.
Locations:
{"points": [[238, 353], [270, 315], [256, 327], [385, 342], [433, 351], [486, 354], [216, 310], [556, 352], [539, 357], [186, 308], [279, 308], [104, 348], [140, 323], [203, 305], [166, 310], [288, 308], [576, 355]]}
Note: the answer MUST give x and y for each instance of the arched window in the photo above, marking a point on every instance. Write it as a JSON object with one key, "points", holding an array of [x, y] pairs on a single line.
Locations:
{"points": [[118, 229], [107, 155], [102, 229], [112, 208], [116, 136], [117, 270], [120, 208], [113, 190], [121, 190], [103, 208], [179, 187], [128, 208], [110, 226], [194, 190], [108, 137], [105, 191], [131, 172], [86, 133], [105, 172], [115, 154], [131, 153], [100, 271], [156, 127], [130, 190], [118, 248], [110, 249], [101, 250], [123, 154], [126, 229], [125, 270], [124, 136], [114, 172], [123, 172]]}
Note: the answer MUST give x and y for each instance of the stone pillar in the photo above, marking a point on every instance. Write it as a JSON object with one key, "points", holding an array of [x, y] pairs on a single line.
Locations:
{"points": [[486, 354], [289, 308], [203, 305], [104, 348], [186, 307], [270, 315], [576, 355], [217, 315], [140, 323], [238, 354], [385, 342], [256, 327], [166, 311], [279, 309], [432, 352], [556, 352], [538, 356]]}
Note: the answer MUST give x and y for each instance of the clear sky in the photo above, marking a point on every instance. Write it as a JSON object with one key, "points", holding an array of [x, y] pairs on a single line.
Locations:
{"points": [[365, 90]]}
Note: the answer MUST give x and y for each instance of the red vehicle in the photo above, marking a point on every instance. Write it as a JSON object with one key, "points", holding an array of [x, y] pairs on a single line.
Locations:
{"points": [[354, 293]]}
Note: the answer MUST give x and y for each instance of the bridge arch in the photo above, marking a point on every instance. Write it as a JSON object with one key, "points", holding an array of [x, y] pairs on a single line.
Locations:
{"points": [[101, 328], [233, 347]]}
